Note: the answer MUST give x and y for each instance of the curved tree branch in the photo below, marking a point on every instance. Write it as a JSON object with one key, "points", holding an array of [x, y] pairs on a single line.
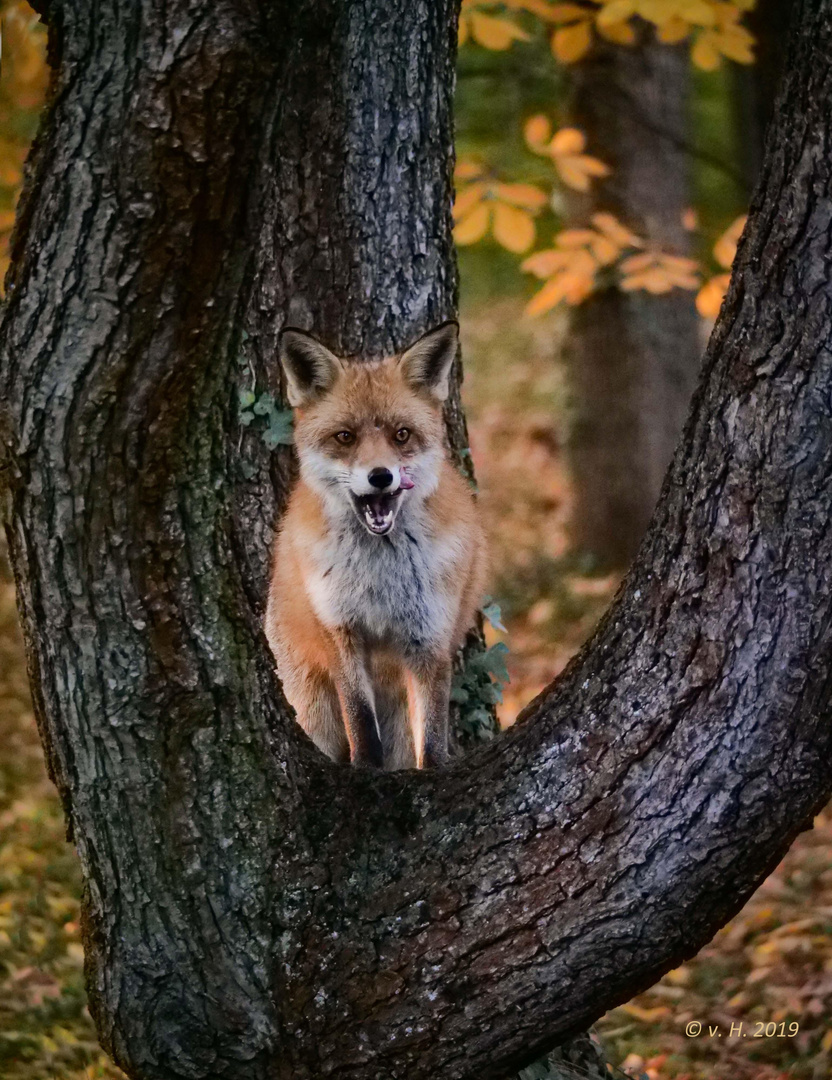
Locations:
{"points": [[253, 910]]}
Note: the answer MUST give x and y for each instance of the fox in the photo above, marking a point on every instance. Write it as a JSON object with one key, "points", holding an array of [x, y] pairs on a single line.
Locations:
{"points": [[379, 560]]}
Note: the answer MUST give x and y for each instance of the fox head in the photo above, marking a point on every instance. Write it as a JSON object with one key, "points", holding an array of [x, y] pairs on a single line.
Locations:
{"points": [[370, 435]]}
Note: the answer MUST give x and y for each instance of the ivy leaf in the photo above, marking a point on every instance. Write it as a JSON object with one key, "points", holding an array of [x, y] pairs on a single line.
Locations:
{"points": [[264, 405], [246, 418], [279, 431], [246, 399], [495, 661], [492, 612]]}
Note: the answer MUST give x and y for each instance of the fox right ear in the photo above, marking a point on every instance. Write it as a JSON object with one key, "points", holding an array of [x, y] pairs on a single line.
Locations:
{"points": [[310, 368]]}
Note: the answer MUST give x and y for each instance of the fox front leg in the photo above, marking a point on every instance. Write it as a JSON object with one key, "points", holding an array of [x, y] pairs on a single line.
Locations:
{"points": [[355, 692], [429, 691]]}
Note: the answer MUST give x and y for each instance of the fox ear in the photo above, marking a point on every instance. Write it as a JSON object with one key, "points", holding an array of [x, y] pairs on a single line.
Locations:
{"points": [[427, 364], [310, 368]]}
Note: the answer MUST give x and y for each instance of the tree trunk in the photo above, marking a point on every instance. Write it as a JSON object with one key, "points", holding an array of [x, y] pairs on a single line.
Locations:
{"points": [[633, 357], [253, 910], [755, 85]]}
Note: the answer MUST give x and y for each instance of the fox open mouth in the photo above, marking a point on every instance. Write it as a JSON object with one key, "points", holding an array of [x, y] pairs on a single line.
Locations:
{"points": [[378, 512]]}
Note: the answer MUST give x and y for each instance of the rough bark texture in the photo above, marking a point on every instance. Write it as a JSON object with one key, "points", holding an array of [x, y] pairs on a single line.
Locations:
{"points": [[633, 357], [252, 909]]}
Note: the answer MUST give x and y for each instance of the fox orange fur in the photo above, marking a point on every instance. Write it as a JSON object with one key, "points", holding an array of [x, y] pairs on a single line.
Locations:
{"points": [[379, 561]]}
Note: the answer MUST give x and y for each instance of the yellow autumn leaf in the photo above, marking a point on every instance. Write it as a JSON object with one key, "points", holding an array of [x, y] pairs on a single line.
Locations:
{"points": [[673, 31], [570, 43], [705, 54], [550, 295], [567, 141], [467, 199], [544, 264], [474, 226], [462, 31], [649, 1016], [574, 238], [726, 246], [6, 220], [577, 170], [493, 33], [467, 170], [618, 233], [513, 228], [697, 12], [604, 250], [652, 280], [620, 33], [710, 296], [563, 13], [615, 11], [736, 43], [537, 130], [527, 195]]}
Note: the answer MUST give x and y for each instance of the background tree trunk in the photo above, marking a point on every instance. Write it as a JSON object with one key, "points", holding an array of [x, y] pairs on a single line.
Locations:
{"points": [[253, 910], [633, 357]]}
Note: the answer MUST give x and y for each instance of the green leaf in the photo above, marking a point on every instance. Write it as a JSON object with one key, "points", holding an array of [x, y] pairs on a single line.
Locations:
{"points": [[495, 661], [279, 431], [493, 614], [246, 418], [264, 405], [246, 399]]}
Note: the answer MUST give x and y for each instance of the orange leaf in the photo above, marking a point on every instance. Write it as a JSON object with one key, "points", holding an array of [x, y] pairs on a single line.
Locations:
{"points": [[6, 220], [513, 228], [704, 53], [575, 238], [537, 131], [467, 170], [615, 11], [564, 13], [673, 31], [551, 294], [494, 33], [570, 43], [474, 226], [618, 233], [544, 264], [710, 296], [467, 199], [522, 195], [576, 170], [726, 246], [620, 33], [567, 141]]}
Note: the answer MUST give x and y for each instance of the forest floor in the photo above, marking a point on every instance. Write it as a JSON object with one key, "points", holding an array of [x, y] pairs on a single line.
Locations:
{"points": [[769, 970]]}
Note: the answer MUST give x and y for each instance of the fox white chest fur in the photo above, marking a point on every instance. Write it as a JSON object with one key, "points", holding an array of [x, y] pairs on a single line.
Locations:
{"points": [[390, 589], [379, 560]]}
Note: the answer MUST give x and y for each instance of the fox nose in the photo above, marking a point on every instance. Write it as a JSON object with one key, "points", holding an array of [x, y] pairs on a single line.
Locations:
{"points": [[380, 478]]}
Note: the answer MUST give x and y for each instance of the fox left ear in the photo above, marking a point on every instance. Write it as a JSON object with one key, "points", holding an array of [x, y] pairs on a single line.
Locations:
{"points": [[427, 364], [310, 368]]}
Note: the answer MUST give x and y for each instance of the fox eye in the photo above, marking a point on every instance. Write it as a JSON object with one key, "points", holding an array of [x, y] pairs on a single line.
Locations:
{"points": [[402, 435], [345, 438]]}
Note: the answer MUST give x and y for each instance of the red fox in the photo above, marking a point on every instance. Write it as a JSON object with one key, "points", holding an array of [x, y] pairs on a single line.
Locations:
{"points": [[380, 558]]}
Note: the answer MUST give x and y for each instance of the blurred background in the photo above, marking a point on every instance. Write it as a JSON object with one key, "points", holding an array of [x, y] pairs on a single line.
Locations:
{"points": [[606, 154]]}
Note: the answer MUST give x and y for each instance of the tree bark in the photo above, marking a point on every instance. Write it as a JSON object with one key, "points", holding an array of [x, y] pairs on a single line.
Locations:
{"points": [[633, 357], [253, 910]]}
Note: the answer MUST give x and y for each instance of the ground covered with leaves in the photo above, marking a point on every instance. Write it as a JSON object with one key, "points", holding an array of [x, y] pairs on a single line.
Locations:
{"points": [[770, 970]]}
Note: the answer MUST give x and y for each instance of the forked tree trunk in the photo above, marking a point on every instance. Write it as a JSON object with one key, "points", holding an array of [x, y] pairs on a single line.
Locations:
{"points": [[253, 910], [633, 357]]}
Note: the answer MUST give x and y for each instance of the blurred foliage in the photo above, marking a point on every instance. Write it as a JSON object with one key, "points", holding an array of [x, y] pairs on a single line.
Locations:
{"points": [[23, 80], [501, 194]]}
